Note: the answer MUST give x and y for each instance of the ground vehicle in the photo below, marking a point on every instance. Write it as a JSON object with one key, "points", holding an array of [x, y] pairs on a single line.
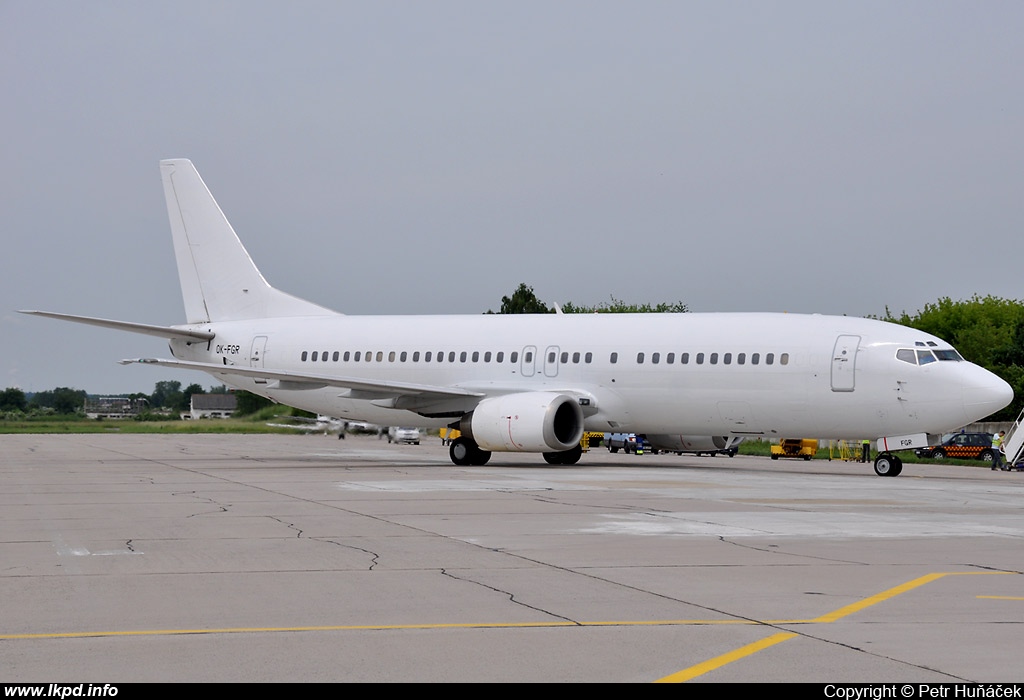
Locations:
{"points": [[960, 446], [620, 441], [799, 448], [410, 436]]}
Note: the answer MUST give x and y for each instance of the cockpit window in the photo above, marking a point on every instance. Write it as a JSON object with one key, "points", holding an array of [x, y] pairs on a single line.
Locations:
{"points": [[949, 355], [924, 357], [906, 355]]}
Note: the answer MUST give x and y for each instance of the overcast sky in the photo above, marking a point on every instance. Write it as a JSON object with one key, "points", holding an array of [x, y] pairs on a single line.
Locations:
{"points": [[427, 157]]}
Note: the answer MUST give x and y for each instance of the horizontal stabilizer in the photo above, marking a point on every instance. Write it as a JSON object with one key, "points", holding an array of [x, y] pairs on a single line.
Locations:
{"points": [[288, 378], [143, 328]]}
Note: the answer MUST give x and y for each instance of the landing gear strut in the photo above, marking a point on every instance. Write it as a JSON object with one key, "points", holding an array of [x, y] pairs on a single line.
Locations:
{"points": [[465, 453], [887, 464]]}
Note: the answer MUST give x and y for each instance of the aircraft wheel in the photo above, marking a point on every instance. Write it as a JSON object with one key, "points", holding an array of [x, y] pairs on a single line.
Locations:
{"points": [[572, 456], [567, 457], [461, 452], [887, 465], [480, 457]]}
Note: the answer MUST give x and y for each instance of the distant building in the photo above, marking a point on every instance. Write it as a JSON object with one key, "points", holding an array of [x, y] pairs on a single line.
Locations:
{"points": [[211, 406], [113, 407]]}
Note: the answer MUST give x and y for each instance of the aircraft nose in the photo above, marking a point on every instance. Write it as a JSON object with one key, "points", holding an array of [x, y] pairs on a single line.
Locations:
{"points": [[984, 393]]}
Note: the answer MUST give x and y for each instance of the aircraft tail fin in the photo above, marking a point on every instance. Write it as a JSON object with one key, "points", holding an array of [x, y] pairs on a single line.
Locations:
{"points": [[219, 281]]}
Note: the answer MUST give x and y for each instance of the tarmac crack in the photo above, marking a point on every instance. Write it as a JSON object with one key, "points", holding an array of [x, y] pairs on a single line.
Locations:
{"points": [[768, 550], [876, 655], [290, 526], [511, 596], [374, 556], [202, 499]]}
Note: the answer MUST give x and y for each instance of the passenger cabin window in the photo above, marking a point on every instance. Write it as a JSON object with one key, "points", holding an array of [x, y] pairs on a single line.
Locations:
{"points": [[304, 355], [784, 358], [655, 357], [614, 358], [513, 357], [639, 358]]}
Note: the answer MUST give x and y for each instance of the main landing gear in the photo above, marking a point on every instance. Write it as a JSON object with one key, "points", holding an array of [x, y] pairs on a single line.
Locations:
{"points": [[887, 464], [465, 453], [568, 457]]}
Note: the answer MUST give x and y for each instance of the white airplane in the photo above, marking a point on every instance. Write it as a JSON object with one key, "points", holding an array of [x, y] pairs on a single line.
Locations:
{"points": [[534, 383]]}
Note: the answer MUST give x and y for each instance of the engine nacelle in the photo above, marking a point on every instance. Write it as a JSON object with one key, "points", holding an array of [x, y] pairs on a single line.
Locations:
{"points": [[535, 421], [693, 443]]}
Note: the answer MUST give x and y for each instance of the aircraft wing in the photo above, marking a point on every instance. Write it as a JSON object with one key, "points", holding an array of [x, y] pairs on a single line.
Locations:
{"points": [[361, 388], [143, 328]]}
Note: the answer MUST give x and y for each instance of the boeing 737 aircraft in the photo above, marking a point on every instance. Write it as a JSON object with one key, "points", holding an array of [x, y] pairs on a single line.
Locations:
{"points": [[534, 383]]}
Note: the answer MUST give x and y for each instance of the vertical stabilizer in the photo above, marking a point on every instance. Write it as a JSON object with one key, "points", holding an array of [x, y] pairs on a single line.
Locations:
{"points": [[219, 281]]}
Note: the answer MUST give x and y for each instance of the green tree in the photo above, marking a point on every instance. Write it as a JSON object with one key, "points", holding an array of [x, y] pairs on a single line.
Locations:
{"points": [[247, 403], [523, 301], [12, 399], [61, 400], [166, 394], [618, 306]]}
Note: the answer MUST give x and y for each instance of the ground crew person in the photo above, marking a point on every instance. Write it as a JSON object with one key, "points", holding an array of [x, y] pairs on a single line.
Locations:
{"points": [[865, 450], [997, 450]]}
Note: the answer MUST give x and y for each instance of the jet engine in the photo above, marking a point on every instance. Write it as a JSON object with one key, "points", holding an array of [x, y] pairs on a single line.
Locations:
{"points": [[535, 421], [693, 443]]}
